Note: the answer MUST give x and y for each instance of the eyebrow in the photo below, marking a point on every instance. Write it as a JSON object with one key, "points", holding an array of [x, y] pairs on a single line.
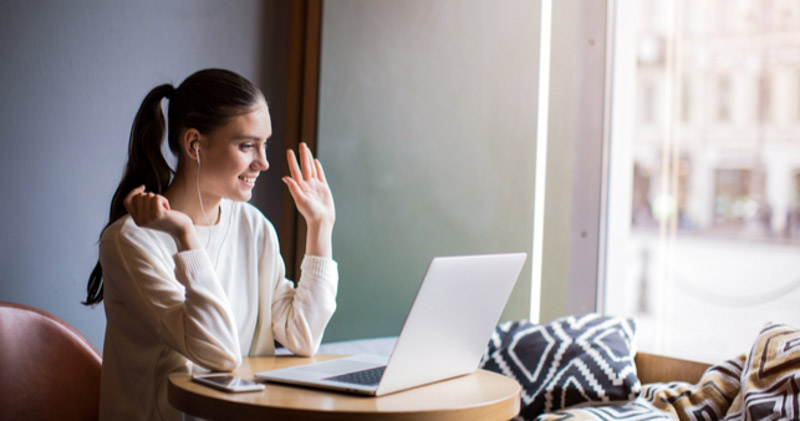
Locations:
{"points": [[250, 137]]}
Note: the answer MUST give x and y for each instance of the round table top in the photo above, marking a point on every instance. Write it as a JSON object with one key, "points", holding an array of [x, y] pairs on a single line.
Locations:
{"points": [[482, 395]]}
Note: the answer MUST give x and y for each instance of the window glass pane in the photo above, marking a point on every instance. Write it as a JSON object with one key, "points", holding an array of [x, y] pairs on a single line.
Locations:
{"points": [[704, 196]]}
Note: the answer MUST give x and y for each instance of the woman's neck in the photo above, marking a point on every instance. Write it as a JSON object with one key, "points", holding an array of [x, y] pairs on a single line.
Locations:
{"points": [[184, 197]]}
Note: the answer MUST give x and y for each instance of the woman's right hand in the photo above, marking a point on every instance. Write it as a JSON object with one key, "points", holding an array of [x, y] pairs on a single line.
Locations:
{"points": [[151, 210]]}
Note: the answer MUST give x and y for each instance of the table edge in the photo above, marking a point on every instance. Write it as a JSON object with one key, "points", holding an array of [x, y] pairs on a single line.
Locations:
{"points": [[219, 408]]}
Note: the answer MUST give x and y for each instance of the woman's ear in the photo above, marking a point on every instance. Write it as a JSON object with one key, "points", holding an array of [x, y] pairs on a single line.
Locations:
{"points": [[191, 144]]}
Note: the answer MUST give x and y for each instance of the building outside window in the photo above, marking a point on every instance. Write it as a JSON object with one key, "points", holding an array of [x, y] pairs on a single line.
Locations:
{"points": [[711, 225]]}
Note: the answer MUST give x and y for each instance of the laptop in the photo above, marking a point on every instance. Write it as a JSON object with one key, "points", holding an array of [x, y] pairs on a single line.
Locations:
{"points": [[445, 334]]}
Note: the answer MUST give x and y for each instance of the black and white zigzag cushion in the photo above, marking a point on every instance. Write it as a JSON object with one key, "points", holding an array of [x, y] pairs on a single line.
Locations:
{"points": [[566, 362]]}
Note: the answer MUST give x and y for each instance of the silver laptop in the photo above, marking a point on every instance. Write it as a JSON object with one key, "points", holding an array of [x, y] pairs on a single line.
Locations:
{"points": [[445, 333]]}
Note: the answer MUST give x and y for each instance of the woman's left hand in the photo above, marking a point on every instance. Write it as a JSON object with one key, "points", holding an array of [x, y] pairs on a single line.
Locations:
{"points": [[310, 189]]}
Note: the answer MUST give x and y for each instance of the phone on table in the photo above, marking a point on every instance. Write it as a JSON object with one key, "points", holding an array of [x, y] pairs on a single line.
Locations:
{"points": [[228, 383]]}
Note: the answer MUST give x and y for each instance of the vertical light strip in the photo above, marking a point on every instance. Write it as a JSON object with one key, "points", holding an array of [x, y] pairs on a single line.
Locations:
{"points": [[608, 89], [664, 195], [675, 134], [669, 180], [542, 117]]}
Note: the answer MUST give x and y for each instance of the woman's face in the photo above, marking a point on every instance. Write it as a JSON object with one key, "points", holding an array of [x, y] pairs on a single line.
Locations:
{"points": [[233, 155]]}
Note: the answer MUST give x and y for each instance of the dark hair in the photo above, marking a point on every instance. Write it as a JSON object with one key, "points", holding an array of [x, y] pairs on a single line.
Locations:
{"points": [[204, 101]]}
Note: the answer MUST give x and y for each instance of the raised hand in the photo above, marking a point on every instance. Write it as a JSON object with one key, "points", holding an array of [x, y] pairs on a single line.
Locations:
{"points": [[310, 189], [151, 210]]}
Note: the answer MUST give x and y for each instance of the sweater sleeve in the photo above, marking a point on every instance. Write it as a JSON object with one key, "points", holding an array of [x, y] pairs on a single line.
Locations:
{"points": [[187, 309], [300, 314]]}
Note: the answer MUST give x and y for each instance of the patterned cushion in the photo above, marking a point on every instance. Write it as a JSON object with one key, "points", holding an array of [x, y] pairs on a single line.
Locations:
{"points": [[637, 410], [566, 362], [764, 385], [708, 400], [771, 378]]}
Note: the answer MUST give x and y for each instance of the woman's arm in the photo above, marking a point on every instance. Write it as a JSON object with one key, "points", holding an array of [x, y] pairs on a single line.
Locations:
{"points": [[313, 199], [185, 307], [301, 314]]}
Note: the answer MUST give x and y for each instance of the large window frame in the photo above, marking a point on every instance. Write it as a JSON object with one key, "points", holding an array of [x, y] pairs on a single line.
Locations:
{"points": [[573, 251], [586, 172], [568, 272]]}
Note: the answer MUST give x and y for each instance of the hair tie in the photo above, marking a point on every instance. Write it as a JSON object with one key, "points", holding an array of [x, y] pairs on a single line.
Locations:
{"points": [[170, 92]]}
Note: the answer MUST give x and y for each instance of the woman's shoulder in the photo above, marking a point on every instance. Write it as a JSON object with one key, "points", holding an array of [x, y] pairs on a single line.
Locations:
{"points": [[125, 231], [121, 228]]}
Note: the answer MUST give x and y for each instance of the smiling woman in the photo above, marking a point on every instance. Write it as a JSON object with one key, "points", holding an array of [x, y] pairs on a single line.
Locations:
{"points": [[232, 156], [188, 271]]}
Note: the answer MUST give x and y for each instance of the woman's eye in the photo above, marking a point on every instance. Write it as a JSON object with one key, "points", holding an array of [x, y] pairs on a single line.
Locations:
{"points": [[248, 146]]}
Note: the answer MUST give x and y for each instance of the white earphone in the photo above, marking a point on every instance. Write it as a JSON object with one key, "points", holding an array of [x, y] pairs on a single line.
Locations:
{"points": [[200, 195]]}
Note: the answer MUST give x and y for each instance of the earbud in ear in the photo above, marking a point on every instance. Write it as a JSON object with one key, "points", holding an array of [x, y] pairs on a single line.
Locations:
{"points": [[197, 152]]}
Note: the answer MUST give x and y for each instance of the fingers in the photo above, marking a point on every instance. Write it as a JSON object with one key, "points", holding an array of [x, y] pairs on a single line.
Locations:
{"points": [[146, 207], [309, 187], [294, 169], [290, 184], [129, 198], [164, 202], [307, 162], [320, 171], [307, 167], [158, 205], [294, 189]]}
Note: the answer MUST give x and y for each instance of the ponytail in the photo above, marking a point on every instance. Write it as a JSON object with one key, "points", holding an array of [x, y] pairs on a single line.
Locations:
{"points": [[204, 101], [146, 166]]}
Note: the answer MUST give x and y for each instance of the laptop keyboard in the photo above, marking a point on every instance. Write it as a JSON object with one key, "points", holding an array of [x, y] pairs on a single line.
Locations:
{"points": [[368, 377]]}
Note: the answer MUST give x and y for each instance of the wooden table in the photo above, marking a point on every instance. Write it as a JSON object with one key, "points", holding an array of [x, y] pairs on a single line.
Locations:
{"points": [[481, 396]]}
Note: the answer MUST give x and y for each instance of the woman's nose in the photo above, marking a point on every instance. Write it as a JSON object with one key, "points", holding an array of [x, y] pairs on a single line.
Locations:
{"points": [[261, 162]]}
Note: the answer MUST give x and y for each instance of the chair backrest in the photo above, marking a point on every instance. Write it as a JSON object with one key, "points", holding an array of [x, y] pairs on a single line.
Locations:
{"points": [[653, 368], [48, 370]]}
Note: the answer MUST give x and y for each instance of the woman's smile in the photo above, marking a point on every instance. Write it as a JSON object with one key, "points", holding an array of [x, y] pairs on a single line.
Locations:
{"points": [[248, 181]]}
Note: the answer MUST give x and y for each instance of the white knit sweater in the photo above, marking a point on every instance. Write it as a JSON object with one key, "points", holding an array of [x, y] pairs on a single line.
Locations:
{"points": [[166, 310]]}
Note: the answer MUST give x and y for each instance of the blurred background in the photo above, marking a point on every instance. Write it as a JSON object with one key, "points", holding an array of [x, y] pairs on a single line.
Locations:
{"points": [[705, 211]]}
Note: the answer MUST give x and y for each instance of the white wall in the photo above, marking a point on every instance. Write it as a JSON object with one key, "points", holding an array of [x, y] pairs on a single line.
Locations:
{"points": [[72, 77], [427, 128]]}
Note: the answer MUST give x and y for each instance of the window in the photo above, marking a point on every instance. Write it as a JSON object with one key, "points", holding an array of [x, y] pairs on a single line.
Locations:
{"points": [[723, 99], [797, 94], [703, 225], [764, 103], [648, 103], [733, 203], [686, 101]]}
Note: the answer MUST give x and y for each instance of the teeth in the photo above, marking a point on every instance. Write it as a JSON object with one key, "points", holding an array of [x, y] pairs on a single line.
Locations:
{"points": [[248, 179]]}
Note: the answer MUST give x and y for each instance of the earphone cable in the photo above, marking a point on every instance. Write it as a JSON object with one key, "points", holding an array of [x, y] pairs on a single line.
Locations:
{"points": [[200, 196]]}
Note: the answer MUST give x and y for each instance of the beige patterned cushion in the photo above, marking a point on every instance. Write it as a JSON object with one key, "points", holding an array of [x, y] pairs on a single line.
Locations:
{"points": [[709, 399], [771, 378]]}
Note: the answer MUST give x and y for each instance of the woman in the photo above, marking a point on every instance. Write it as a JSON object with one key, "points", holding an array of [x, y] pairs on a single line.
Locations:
{"points": [[189, 272]]}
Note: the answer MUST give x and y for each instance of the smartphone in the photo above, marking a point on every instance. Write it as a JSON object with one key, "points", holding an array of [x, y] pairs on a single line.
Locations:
{"points": [[228, 383]]}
